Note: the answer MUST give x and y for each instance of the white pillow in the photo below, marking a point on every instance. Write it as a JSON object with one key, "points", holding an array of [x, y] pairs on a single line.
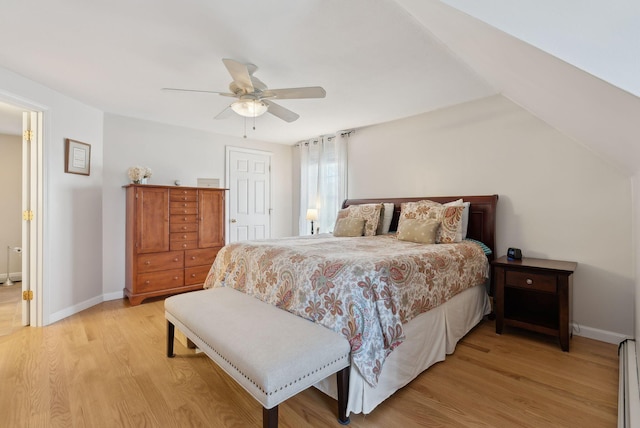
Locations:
{"points": [[387, 216], [462, 232]]}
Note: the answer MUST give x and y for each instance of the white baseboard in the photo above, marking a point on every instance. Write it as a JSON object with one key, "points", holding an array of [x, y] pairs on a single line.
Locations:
{"points": [[15, 276], [57, 316], [113, 296], [597, 334]]}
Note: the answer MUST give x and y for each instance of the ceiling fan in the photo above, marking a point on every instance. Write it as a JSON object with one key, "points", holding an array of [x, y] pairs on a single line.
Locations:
{"points": [[253, 97]]}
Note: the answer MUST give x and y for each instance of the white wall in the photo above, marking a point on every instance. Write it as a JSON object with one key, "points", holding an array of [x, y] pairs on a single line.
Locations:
{"points": [[174, 153], [72, 265], [10, 203], [557, 199]]}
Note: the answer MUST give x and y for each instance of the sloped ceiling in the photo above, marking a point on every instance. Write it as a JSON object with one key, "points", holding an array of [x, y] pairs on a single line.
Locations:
{"points": [[601, 38], [597, 114], [378, 60]]}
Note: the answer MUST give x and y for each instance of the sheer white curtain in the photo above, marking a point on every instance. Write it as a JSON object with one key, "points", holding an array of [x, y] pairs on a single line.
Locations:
{"points": [[323, 180]]}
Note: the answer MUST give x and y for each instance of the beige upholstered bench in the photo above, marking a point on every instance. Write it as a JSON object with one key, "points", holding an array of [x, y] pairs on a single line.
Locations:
{"points": [[270, 352]]}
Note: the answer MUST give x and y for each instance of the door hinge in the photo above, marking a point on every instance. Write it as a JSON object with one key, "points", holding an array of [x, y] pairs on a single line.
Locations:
{"points": [[27, 215], [27, 295], [27, 135]]}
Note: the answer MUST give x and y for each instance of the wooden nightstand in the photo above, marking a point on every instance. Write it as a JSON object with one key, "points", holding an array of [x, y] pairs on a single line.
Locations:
{"points": [[534, 294]]}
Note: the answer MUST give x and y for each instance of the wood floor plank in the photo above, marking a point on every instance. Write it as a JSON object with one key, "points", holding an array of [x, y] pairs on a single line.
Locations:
{"points": [[106, 367]]}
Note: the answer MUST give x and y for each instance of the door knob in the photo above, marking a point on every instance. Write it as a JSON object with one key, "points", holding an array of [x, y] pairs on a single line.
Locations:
{"points": [[233, 220]]}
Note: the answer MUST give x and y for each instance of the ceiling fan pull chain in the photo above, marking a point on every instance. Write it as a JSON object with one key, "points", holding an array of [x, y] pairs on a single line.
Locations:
{"points": [[245, 127]]}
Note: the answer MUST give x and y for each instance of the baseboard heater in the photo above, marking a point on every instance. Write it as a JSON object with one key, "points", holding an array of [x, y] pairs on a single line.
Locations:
{"points": [[629, 392]]}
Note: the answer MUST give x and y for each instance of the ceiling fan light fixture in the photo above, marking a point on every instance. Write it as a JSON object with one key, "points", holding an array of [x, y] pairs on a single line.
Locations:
{"points": [[249, 108]]}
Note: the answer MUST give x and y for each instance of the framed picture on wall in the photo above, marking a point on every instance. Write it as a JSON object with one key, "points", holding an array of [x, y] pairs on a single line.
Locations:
{"points": [[77, 158]]}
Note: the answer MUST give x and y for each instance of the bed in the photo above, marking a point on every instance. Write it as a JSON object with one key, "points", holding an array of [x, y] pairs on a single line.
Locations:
{"points": [[401, 308]]}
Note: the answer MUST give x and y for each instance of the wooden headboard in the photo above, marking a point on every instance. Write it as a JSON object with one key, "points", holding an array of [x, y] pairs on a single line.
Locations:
{"points": [[482, 214]]}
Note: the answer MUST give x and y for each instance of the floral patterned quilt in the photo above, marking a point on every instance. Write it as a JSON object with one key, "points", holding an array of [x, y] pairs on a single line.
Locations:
{"points": [[365, 288]]}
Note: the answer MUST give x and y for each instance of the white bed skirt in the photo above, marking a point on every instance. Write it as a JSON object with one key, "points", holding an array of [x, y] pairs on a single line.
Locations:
{"points": [[429, 338]]}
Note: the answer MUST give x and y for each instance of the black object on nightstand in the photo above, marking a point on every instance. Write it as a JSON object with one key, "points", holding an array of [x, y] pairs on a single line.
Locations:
{"points": [[534, 294]]}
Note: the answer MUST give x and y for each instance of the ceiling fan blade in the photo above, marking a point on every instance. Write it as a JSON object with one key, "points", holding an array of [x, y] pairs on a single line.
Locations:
{"points": [[224, 114], [240, 74], [290, 93], [226, 94], [281, 112]]}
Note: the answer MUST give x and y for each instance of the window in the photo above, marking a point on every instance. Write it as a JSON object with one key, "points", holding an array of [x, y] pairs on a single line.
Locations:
{"points": [[323, 180]]}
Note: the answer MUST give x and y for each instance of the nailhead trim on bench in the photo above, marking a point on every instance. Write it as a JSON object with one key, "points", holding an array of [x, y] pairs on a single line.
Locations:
{"points": [[253, 382]]}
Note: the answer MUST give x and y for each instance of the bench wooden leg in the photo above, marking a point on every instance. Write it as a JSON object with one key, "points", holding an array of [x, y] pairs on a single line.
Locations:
{"points": [[270, 417], [343, 395], [171, 330]]}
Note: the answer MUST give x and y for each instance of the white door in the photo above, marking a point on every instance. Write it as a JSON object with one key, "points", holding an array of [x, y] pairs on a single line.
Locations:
{"points": [[31, 127], [249, 183]]}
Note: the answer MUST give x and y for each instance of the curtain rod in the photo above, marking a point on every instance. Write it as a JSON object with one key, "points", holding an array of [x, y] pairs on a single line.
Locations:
{"points": [[316, 140]]}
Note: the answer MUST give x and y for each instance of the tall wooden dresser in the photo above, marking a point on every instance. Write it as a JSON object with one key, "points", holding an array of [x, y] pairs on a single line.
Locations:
{"points": [[173, 235]]}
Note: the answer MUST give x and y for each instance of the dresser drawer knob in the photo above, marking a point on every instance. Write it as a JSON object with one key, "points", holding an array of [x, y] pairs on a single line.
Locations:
{"points": [[148, 262], [193, 257], [185, 219], [184, 245], [184, 236], [184, 205], [147, 281], [175, 260], [529, 281], [193, 275], [175, 277]]}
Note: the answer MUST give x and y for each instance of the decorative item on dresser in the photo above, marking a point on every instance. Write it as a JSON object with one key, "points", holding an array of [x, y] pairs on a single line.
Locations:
{"points": [[139, 174], [534, 294], [172, 237]]}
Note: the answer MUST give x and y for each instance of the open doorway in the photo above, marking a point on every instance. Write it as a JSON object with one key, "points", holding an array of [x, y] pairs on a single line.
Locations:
{"points": [[11, 266], [21, 129]]}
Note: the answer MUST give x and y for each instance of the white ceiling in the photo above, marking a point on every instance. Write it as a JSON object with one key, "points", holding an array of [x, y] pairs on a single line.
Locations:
{"points": [[378, 60], [600, 37], [375, 62]]}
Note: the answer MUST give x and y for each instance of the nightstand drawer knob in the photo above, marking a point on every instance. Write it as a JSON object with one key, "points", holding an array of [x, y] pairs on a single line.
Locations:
{"points": [[529, 281]]}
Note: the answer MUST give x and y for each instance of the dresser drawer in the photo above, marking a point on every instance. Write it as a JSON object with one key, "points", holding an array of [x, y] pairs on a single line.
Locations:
{"points": [[163, 280], [182, 237], [183, 210], [200, 257], [531, 281], [183, 245], [183, 227], [160, 261], [195, 275], [183, 195], [181, 219], [183, 204]]}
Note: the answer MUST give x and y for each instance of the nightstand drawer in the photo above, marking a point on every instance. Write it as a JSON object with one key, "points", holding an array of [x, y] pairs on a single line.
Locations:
{"points": [[531, 281]]}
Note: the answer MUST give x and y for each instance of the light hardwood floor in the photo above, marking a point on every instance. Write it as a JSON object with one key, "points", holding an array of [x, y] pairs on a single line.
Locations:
{"points": [[106, 367], [10, 308]]}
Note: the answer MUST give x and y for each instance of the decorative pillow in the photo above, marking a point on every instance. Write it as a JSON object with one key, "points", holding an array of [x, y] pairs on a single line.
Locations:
{"points": [[387, 216], [349, 227], [449, 217], [487, 251], [370, 213], [462, 233], [419, 231]]}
